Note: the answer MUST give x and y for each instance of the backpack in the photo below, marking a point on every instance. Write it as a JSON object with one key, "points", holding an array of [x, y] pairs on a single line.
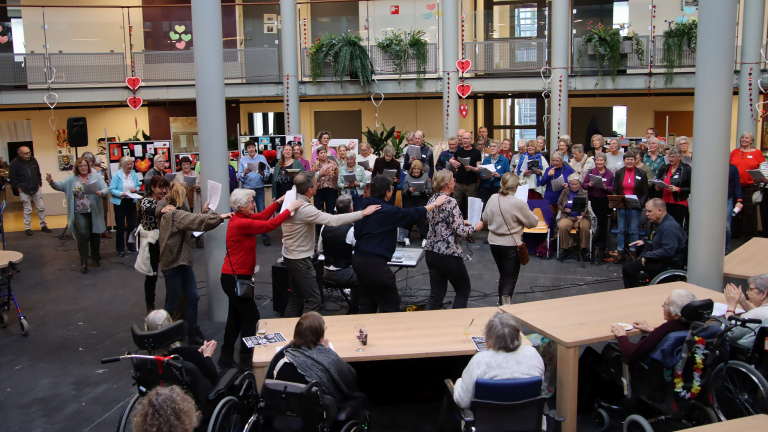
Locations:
{"points": [[544, 250]]}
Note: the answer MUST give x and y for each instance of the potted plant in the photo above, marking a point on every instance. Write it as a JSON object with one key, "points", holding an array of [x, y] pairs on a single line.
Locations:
{"points": [[346, 54], [610, 47], [379, 140], [403, 46], [680, 36]]}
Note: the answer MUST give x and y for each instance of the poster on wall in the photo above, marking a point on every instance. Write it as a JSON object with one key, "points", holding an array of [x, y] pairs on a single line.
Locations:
{"points": [[350, 144], [270, 146], [194, 157], [63, 149], [143, 153]]}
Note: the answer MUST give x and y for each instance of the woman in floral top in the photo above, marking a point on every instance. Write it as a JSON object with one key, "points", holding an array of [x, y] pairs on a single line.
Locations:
{"points": [[149, 235], [443, 252], [327, 189]]}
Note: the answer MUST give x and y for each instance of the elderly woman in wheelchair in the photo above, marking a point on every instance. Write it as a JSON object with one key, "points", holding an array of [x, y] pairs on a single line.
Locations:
{"points": [[755, 305]]}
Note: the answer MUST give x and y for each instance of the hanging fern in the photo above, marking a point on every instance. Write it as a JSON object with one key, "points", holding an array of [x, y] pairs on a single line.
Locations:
{"points": [[346, 55], [404, 46], [675, 37]]}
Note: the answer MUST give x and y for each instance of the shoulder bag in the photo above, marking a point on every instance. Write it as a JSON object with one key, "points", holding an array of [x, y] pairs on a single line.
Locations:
{"points": [[522, 249], [244, 287]]}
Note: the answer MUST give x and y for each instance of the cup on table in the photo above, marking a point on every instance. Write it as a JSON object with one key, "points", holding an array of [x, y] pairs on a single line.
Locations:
{"points": [[261, 330], [506, 300], [361, 333]]}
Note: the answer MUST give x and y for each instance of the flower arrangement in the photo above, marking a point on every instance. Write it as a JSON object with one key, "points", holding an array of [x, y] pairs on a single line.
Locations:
{"points": [[403, 46], [677, 34], [699, 351], [606, 43]]}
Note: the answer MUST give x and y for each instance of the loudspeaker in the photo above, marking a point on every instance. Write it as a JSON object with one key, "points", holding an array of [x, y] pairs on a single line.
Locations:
{"points": [[281, 287], [77, 132]]}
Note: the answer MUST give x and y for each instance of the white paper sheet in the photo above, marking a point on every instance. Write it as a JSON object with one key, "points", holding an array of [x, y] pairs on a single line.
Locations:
{"points": [[557, 183], [450, 167], [170, 177], [214, 194], [596, 180], [91, 188], [414, 152], [191, 181], [488, 170], [657, 182], [290, 197], [756, 174], [350, 177], [420, 186], [474, 210], [390, 173], [197, 233], [254, 166], [133, 195], [464, 161], [522, 192], [364, 164], [720, 309]]}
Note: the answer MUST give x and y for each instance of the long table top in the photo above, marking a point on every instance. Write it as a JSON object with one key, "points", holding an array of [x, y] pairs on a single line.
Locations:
{"points": [[751, 423], [586, 319], [399, 335], [747, 260]]}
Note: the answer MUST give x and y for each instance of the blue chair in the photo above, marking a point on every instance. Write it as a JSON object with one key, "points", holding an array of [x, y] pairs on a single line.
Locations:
{"points": [[511, 405]]}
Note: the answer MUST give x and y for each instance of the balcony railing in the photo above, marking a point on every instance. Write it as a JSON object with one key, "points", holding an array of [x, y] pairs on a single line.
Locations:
{"points": [[22, 69], [252, 64], [88, 68], [589, 61], [383, 64], [499, 56]]}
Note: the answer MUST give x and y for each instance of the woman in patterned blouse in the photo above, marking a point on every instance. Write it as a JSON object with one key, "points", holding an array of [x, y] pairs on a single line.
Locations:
{"points": [[443, 252], [327, 190], [158, 186]]}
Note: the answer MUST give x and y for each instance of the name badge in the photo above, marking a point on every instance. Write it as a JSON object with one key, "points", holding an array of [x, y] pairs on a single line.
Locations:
{"points": [[638, 177], [749, 157], [676, 176], [570, 202]]}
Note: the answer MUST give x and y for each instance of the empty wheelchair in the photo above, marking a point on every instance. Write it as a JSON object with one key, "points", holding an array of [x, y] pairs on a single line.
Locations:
{"points": [[229, 405]]}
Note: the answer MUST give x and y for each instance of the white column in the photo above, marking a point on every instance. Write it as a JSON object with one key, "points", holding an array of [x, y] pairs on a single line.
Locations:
{"points": [[289, 51], [752, 36], [560, 29], [711, 133], [451, 50], [212, 132]]}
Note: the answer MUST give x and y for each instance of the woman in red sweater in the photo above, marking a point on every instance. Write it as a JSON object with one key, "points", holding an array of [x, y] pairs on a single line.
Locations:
{"points": [[747, 158], [240, 263]]}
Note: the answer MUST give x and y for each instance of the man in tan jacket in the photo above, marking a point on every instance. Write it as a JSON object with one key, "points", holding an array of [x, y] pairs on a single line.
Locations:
{"points": [[299, 245]]}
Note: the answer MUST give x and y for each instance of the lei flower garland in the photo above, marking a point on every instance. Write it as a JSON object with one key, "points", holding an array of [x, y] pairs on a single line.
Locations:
{"points": [[699, 351]]}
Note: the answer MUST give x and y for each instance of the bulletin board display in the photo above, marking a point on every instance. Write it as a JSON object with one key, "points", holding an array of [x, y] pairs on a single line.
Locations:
{"points": [[143, 153], [271, 147], [194, 157], [333, 144]]}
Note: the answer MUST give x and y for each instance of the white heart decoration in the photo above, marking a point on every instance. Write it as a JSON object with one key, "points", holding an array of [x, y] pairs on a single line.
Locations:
{"points": [[50, 73], [51, 99], [53, 124], [760, 84], [380, 100]]}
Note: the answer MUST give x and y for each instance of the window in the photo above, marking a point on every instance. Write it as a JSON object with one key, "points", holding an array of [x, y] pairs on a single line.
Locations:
{"points": [[514, 117], [525, 22]]}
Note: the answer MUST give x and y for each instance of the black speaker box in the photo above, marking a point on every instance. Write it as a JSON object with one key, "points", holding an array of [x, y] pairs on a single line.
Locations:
{"points": [[281, 288], [77, 132]]}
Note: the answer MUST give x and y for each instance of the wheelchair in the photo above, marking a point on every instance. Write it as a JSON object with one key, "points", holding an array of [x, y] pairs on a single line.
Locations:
{"points": [[6, 295], [688, 379], [228, 406]]}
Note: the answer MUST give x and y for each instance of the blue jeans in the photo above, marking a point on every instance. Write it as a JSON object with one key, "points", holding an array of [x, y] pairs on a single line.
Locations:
{"points": [[260, 206], [82, 228], [728, 218], [177, 279], [628, 222]]}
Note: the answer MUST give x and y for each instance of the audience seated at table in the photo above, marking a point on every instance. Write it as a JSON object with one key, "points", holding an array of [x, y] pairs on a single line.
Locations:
{"points": [[666, 248], [166, 409], [755, 304], [308, 357]]}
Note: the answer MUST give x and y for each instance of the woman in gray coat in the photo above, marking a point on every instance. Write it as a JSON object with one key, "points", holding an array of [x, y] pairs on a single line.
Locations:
{"points": [[85, 213]]}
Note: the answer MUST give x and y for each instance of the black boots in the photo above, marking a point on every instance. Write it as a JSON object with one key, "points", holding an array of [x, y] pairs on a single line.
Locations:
{"points": [[195, 336], [83, 267]]}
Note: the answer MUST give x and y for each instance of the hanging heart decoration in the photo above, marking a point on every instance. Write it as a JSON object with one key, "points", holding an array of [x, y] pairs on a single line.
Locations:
{"points": [[464, 90], [760, 84], [52, 121], [50, 73], [761, 109], [134, 102], [270, 155], [133, 83], [463, 65], [51, 99], [463, 110]]}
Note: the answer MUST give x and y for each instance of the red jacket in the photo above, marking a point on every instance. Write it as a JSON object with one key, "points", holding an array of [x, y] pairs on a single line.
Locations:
{"points": [[241, 240]]}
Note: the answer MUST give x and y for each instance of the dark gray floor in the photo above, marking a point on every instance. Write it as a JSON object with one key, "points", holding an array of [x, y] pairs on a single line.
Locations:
{"points": [[52, 380]]}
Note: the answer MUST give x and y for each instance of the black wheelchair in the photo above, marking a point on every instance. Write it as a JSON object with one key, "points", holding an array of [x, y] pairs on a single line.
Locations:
{"points": [[689, 379], [230, 405]]}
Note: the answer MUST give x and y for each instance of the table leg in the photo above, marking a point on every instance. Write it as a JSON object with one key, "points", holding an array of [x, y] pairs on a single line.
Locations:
{"points": [[260, 374], [567, 385]]}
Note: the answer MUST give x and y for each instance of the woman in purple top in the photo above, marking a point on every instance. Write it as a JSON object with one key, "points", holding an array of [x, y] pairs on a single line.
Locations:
{"points": [[556, 170], [598, 197], [298, 154]]}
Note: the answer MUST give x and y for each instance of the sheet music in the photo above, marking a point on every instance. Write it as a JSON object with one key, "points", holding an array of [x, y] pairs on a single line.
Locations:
{"points": [[214, 194], [522, 192], [596, 180], [390, 173], [91, 188], [133, 195], [191, 181], [557, 183], [350, 177], [170, 177], [464, 161], [290, 197], [450, 167], [474, 210], [756, 174], [414, 151], [420, 186], [364, 164], [660, 183], [253, 166], [488, 170]]}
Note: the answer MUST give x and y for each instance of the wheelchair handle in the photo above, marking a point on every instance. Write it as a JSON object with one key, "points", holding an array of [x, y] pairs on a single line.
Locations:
{"points": [[742, 321], [110, 360]]}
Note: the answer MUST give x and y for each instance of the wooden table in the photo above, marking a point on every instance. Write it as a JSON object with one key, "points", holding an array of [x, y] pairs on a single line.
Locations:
{"points": [[587, 319], [391, 336], [752, 423], [748, 260], [7, 256]]}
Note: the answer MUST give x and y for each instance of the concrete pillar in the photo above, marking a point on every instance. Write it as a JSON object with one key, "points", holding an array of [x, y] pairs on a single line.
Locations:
{"points": [[451, 51], [560, 35], [289, 51], [752, 36], [212, 132], [711, 133]]}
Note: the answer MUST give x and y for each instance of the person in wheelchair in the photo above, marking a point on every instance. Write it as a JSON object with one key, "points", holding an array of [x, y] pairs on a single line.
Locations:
{"points": [[166, 409], [201, 357], [308, 358], [755, 305], [665, 248]]}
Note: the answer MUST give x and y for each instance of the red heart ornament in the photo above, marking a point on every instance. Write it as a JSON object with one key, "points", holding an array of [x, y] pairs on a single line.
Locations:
{"points": [[270, 155], [134, 102], [463, 65], [133, 82], [464, 90], [431, 7], [463, 110]]}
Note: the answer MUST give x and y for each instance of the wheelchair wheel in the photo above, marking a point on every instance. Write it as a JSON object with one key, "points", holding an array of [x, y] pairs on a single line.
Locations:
{"points": [[600, 419], [697, 414], [252, 425], [228, 416], [353, 426], [24, 326], [637, 423], [125, 420], [670, 276], [738, 390], [3, 319]]}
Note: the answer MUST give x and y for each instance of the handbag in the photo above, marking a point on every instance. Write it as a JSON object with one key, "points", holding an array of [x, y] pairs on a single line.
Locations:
{"points": [[522, 249], [244, 286]]}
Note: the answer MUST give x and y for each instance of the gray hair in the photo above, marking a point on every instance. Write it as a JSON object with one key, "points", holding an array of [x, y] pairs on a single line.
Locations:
{"points": [[747, 134], [125, 159], [682, 138], [602, 156], [409, 135], [89, 156], [351, 154], [156, 320], [238, 199], [577, 148], [557, 155], [574, 176], [454, 139], [522, 142], [675, 150], [344, 204], [678, 299], [389, 150], [503, 332], [158, 157], [653, 139], [418, 131], [760, 282], [304, 181]]}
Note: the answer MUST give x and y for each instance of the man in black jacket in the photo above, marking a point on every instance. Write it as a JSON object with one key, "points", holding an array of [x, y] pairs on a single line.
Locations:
{"points": [[666, 248], [26, 181]]}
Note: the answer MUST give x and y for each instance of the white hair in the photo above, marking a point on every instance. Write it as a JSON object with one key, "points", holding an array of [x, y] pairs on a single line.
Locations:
{"points": [[760, 282], [678, 299], [158, 157], [238, 199], [125, 159], [351, 154]]}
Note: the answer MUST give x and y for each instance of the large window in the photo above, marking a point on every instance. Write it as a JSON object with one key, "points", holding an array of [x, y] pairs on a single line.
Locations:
{"points": [[514, 117]]}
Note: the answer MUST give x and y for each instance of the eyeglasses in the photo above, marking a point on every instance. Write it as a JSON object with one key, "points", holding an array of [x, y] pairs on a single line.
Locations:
{"points": [[665, 306]]}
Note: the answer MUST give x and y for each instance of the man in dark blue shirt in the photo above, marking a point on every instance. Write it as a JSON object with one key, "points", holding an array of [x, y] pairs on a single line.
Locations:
{"points": [[666, 248], [375, 242]]}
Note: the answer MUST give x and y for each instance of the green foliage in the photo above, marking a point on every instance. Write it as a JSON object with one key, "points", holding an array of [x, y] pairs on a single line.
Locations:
{"points": [[403, 46], [379, 140], [606, 43], [135, 137], [675, 37], [346, 55]]}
